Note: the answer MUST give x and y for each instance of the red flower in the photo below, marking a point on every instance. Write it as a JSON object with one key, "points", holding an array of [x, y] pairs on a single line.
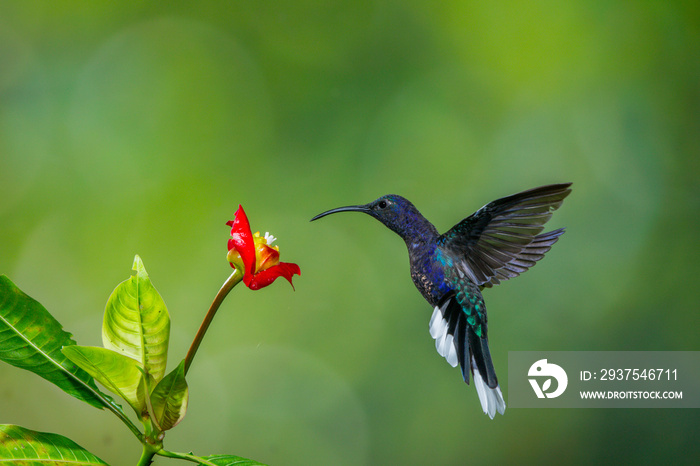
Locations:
{"points": [[253, 256]]}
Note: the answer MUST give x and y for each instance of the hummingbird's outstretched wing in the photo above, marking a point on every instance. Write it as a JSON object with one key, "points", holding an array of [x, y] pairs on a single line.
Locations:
{"points": [[502, 239]]}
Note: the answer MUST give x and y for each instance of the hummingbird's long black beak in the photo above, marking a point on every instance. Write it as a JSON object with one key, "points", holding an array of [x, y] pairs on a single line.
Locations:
{"points": [[350, 208]]}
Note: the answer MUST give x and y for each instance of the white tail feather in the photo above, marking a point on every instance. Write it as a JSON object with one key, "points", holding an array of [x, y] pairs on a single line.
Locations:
{"points": [[491, 398], [444, 342], [438, 324]]}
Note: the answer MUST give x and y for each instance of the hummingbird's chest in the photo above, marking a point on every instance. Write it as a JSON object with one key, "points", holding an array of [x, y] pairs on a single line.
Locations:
{"points": [[427, 272]]}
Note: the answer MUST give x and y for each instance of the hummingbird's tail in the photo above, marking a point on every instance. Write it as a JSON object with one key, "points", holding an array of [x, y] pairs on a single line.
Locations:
{"points": [[485, 380], [457, 342]]}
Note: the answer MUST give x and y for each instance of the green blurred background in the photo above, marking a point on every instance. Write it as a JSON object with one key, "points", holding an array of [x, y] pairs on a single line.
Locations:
{"points": [[138, 127]]}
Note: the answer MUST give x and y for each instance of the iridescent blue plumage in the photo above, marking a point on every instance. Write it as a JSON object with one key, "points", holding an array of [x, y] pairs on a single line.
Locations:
{"points": [[499, 241]]}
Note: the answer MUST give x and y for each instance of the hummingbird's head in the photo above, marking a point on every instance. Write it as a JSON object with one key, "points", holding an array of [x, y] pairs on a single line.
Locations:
{"points": [[395, 212]]}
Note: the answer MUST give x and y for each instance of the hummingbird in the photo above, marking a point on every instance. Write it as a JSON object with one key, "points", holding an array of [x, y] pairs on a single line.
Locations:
{"points": [[499, 241]]}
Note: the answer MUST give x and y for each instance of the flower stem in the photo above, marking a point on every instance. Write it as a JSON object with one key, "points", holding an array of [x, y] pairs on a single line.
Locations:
{"points": [[228, 285]]}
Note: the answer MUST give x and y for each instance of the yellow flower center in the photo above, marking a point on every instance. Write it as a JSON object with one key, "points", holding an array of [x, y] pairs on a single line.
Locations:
{"points": [[265, 255]]}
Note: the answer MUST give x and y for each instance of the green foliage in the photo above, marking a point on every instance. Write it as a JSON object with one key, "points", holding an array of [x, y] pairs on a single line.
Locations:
{"points": [[136, 322], [31, 339], [170, 397], [135, 334], [121, 374], [27, 447]]}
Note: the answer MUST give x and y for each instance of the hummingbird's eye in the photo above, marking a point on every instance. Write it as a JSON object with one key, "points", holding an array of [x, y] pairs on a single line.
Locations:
{"points": [[382, 204]]}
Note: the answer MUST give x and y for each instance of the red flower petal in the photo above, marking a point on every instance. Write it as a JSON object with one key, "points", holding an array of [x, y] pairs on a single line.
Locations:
{"points": [[242, 241], [266, 277]]}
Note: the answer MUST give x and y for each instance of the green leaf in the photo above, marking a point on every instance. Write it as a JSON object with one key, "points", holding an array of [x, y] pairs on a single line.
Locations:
{"points": [[120, 374], [31, 339], [230, 460], [136, 322], [29, 447], [169, 398]]}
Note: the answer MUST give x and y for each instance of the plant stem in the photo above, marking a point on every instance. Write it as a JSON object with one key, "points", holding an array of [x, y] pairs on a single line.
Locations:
{"points": [[147, 455], [228, 285], [184, 456]]}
